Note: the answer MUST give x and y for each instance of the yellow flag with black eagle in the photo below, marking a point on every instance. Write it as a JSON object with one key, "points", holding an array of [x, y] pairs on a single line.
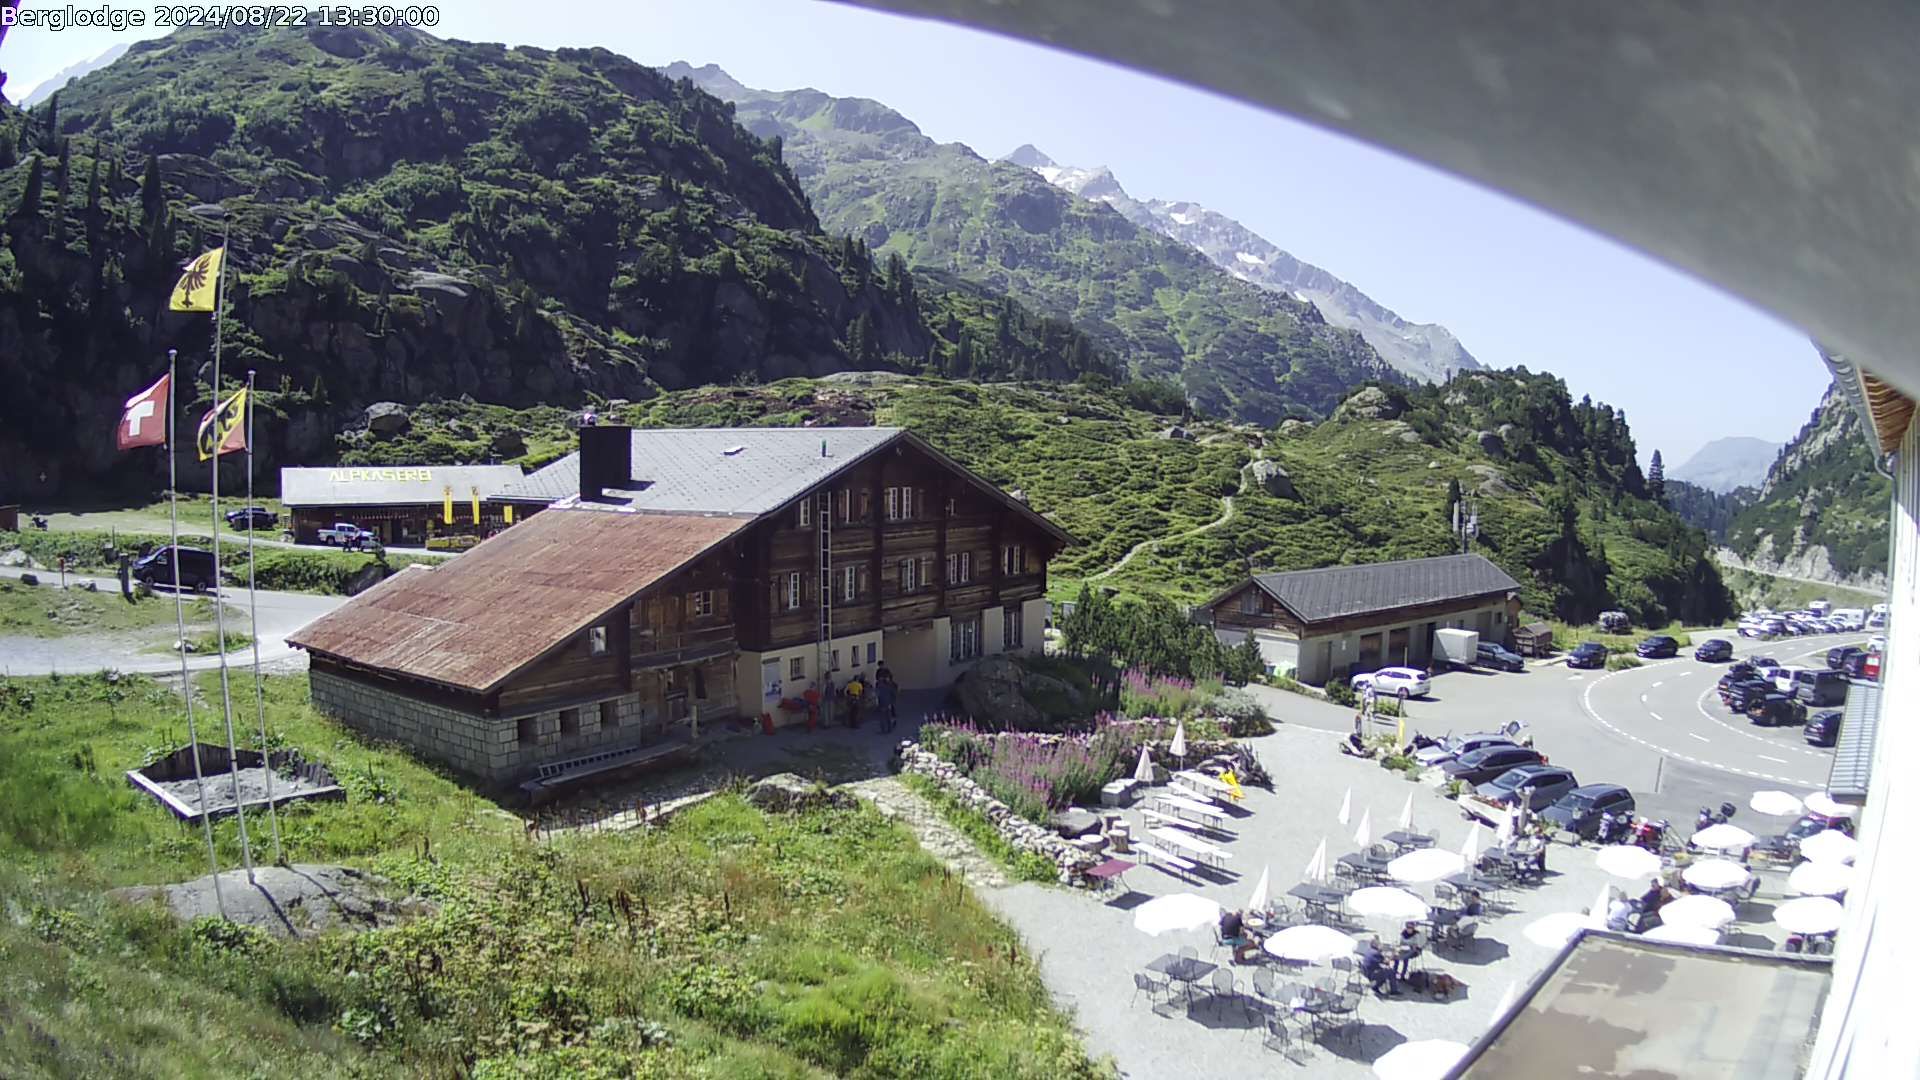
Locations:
{"points": [[224, 427], [198, 285]]}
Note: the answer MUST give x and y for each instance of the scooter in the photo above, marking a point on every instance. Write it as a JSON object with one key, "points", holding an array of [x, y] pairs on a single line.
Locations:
{"points": [[1708, 818], [1649, 834], [1613, 828], [1354, 746]]}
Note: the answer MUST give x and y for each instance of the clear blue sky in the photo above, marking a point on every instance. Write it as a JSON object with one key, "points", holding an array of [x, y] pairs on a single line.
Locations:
{"points": [[1685, 361]]}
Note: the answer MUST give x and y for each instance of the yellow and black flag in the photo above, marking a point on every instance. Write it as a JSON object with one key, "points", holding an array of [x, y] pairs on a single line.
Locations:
{"points": [[196, 288], [224, 427]]}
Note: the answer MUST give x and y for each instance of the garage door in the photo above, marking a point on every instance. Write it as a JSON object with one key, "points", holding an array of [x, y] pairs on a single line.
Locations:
{"points": [[1279, 654]]}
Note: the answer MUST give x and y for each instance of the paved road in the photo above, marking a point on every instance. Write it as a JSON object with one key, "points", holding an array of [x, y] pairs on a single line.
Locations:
{"points": [[280, 613], [197, 530]]}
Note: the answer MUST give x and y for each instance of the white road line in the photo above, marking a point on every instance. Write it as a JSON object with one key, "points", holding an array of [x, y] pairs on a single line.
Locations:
{"points": [[1657, 682], [1703, 738], [1683, 675], [1701, 705], [1643, 699], [1656, 716], [1764, 757], [1586, 703]]}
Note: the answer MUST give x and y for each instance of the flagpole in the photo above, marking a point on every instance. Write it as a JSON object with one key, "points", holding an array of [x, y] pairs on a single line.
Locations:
{"points": [[219, 605], [253, 607], [180, 621]]}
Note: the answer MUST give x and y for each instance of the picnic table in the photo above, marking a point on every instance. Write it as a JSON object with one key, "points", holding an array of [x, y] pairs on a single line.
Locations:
{"points": [[1190, 842], [1185, 970], [1204, 784], [1109, 873], [1179, 804]]}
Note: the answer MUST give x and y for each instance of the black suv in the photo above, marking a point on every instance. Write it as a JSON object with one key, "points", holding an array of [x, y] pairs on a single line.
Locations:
{"points": [[1745, 692], [1774, 710], [1579, 811], [1740, 670], [1488, 762], [252, 517], [1823, 728], [197, 570], [1587, 654], [1820, 687], [1657, 647], [1714, 650], [1837, 656]]}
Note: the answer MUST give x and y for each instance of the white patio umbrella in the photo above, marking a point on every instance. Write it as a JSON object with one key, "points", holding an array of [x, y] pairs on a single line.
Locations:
{"points": [[1683, 934], [1406, 813], [1427, 864], [1310, 943], [1317, 866], [1555, 930], [1809, 915], [1597, 911], [1470, 850], [1346, 807], [1821, 878], [1723, 837], [1179, 747], [1386, 902], [1258, 901], [1628, 861], [1829, 845], [1143, 772], [1710, 912], [1175, 912], [1364, 834], [1506, 1002], [1715, 874], [1503, 832], [1427, 1059], [1775, 804], [1826, 806]]}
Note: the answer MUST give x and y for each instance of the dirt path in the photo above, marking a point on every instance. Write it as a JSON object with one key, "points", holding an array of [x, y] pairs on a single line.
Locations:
{"points": [[1226, 514], [892, 798]]}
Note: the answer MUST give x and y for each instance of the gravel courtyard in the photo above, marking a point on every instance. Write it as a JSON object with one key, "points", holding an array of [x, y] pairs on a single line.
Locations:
{"points": [[1089, 949]]}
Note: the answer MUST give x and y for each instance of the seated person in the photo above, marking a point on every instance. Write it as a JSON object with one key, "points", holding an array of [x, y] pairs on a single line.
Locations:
{"points": [[1413, 941], [1234, 932], [1470, 903], [1620, 914], [1373, 967], [1358, 745]]}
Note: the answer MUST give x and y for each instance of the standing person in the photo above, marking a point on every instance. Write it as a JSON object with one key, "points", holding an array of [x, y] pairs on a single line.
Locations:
{"points": [[855, 690], [883, 699], [1369, 701]]}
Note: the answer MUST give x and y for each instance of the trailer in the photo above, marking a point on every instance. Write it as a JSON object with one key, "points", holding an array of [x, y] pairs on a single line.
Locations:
{"points": [[1457, 648]]}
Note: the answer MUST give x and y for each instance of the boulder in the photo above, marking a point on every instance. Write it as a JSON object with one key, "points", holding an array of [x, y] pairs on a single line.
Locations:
{"points": [[1369, 403], [1490, 444], [788, 792], [1294, 427], [1177, 432], [1271, 476], [387, 418], [999, 691], [29, 579], [508, 444], [1074, 822]]}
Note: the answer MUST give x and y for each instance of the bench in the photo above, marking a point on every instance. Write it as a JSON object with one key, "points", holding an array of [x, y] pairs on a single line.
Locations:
{"points": [[1161, 857], [554, 776]]}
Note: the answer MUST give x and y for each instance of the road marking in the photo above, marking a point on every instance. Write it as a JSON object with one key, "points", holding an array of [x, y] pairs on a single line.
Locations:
{"points": [[1764, 757], [1683, 675], [1656, 682], [1656, 716], [1703, 738], [1701, 705], [1643, 699], [1586, 703]]}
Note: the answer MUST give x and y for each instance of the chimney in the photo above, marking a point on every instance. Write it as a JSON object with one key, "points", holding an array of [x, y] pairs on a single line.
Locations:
{"points": [[606, 459]]}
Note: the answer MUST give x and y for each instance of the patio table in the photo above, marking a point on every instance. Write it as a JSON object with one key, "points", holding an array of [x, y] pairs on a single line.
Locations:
{"points": [[1109, 873], [1408, 841], [1178, 804], [1185, 970], [1319, 899], [1203, 784], [1190, 842], [1370, 866]]}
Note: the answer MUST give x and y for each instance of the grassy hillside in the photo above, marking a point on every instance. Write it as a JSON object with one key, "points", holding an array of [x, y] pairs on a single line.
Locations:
{"points": [[729, 944]]}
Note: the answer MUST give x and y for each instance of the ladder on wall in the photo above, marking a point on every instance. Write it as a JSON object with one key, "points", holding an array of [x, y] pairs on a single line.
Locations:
{"points": [[823, 518]]}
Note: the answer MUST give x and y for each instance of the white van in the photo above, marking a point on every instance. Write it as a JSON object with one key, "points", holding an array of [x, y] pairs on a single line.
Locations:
{"points": [[1820, 608], [1850, 618]]}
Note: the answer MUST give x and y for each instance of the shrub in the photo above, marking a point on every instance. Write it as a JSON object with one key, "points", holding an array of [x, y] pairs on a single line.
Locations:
{"points": [[1145, 695], [1025, 865], [1036, 775], [1340, 692], [1622, 661], [1242, 715]]}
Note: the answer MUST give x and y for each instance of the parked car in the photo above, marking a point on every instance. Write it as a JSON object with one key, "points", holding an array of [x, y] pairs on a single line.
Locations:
{"points": [[1823, 728], [1877, 643], [1400, 682], [1782, 678], [1488, 762], [1837, 656], [1745, 692], [1579, 810], [1775, 710], [1538, 786], [1452, 746], [1657, 647], [1615, 622], [1714, 650], [252, 517], [1857, 664], [1733, 675], [1820, 687], [1587, 654], [347, 535], [197, 568], [1499, 657]]}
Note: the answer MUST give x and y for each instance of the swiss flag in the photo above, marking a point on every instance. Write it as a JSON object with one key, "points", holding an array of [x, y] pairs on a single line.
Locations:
{"points": [[145, 421]]}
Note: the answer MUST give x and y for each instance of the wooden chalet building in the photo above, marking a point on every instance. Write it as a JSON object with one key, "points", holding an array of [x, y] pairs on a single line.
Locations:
{"points": [[674, 571], [1338, 621]]}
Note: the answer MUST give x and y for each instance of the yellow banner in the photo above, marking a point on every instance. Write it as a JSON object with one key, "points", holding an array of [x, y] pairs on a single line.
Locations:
{"points": [[446, 504], [507, 512], [196, 287], [476, 505], [223, 429]]}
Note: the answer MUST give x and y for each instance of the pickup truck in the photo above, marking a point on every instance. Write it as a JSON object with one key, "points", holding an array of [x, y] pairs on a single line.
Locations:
{"points": [[348, 535]]}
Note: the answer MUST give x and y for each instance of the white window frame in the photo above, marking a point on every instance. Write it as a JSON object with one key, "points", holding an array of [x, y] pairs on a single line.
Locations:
{"points": [[850, 583], [700, 603], [906, 504], [893, 504], [597, 641], [909, 575], [953, 568], [806, 512], [966, 567], [1012, 633], [793, 591], [964, 643], [797, 667]]}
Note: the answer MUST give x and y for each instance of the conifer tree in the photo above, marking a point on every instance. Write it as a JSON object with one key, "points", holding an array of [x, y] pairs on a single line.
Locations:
{"points": [[152, 196], [30, 201], [1657, 479], [8, 156], [53, 115]]}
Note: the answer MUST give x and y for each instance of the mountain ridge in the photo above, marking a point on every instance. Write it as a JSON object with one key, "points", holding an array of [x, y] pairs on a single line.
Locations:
{"points": [[1727, 463]]}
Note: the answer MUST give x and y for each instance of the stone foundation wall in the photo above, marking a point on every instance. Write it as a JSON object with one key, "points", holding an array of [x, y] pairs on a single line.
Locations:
{"points": [[1018, 831]]}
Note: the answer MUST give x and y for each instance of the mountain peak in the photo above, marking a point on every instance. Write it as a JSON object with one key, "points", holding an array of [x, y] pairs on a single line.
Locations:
{"points": [[1728, 463], [1030, 156], [709, 77]]}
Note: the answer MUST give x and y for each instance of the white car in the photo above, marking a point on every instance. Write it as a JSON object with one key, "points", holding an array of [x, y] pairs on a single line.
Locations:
{"points": [[1400, 682], [1877, 643]]}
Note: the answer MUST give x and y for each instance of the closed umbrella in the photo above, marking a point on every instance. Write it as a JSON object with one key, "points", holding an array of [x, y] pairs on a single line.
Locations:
{"points": [[1174, 913], [1143, 772], [1555, 930], [1364, 834], [1503, 832], [1821, 878], [1427, 864], [1406, 813], [1628, 861], [1683, 935], [1715, 874], [1597, 911], [1809, 915], [1775, 804], [1470, 850], [1310, 943], [1258, 901], [1179, 747], [1427, 1059], [1829, 845], [1317, 866], [1710, 912], [1386, 902], [1346, 807], [1826, 806], [1506, 1002], [1723, 837]]}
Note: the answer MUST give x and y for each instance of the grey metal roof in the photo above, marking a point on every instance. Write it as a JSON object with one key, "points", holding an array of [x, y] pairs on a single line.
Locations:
{"points": [[718, 470], [1336, 592], [1859, 730], [388, 486]]}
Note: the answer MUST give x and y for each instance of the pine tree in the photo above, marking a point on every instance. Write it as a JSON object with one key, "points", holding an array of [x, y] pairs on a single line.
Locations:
{"points": [[30, 201], [53, 115], [863, 343], [1657, 479], [8, 156], [1246, 664], [152, 196], [93, 186]]}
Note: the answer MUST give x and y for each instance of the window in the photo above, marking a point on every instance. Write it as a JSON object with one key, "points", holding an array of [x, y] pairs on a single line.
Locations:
{"points": [[597, 641], [609, 714], [835, 666], [1250, 602], [700, 603], [793, 591], [899, 503], [873, 650], [569, 721], [893, 504], [797, 668], [965, 641], [960, 568], [953, 507], [1013, 560], [906, 503], [699, 684], [806, 513], [909, 575], [850, 583], [966, 566], [953, 569], [527, 730], [853, 656], [866, 505], [846, 504], [1011, 632]]}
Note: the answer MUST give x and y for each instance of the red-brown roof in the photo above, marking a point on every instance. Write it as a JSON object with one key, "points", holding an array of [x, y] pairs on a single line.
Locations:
{"points": [[475, 620]]}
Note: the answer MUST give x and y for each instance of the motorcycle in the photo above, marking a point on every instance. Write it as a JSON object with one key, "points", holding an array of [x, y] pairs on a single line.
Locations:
{"points": [[1354, 746], [1649, 834], [1708, 818], [1613, 828]]}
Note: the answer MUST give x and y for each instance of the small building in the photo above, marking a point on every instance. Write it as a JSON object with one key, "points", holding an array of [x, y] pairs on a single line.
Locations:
{"points": [[1340, 620], [717, 571], [403, 505], [1534, 639]]}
